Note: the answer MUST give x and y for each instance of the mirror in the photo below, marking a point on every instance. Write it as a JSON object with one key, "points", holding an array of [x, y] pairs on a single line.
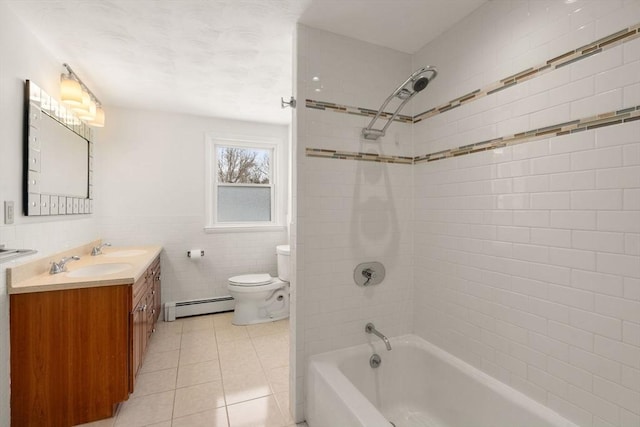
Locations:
{"points": [[58, 158]]}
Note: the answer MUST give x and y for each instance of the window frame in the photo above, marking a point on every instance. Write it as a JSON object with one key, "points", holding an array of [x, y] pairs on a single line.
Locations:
{"points": [[276, 178]]}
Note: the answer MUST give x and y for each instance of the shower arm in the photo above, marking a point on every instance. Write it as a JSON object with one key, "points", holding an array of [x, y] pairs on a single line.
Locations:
{"points": [[376, 133], [369, 132]]}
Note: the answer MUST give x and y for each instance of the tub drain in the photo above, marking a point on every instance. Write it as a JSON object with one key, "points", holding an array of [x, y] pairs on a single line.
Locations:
{"points": [[375, 361]]}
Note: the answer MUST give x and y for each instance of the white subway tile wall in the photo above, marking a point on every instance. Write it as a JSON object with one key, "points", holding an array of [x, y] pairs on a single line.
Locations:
{"points": [[183, 278], [525, 258], [590, 86], [173, 212], [348, 212], [558, 318]]}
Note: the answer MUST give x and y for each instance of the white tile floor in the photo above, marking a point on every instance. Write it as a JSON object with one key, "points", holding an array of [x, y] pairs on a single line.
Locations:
{"points": [[204, 371]]}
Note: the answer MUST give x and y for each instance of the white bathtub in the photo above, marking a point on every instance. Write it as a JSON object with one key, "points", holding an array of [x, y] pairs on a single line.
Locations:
{"points": [[417, 385]]}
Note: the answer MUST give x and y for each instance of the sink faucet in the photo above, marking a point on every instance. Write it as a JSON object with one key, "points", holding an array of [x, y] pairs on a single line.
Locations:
{"points": [[98, 249], [61, 266], [370, 329]]}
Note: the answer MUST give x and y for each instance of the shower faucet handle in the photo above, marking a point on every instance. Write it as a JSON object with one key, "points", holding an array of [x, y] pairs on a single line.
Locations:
{"points": [[368, 273]]}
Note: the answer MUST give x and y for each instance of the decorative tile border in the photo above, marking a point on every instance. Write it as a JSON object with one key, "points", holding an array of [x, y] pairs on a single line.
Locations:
{"points": [[601, 120], [559, 61], [575, 126], [358, 111], [367, 157]]}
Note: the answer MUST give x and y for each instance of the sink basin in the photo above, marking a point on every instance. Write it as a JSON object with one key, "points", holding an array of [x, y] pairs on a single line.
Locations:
{"points": [[126, 253], [99, 270]]}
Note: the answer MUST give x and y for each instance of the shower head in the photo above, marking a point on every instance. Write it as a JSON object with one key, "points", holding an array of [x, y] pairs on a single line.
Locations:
{"points": [[420, 83], [416, 82]]}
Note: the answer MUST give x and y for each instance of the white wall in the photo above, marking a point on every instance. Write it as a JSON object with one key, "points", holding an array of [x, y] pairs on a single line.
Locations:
{"points": [[23, 57], [150, 189], [527, 258], [348, 212]]}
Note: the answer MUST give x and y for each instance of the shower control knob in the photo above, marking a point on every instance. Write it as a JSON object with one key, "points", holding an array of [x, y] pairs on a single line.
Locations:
{"points": [[368, 273]]}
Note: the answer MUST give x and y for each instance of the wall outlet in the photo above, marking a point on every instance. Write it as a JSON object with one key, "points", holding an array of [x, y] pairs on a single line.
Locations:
{"points": [[9, 212]]}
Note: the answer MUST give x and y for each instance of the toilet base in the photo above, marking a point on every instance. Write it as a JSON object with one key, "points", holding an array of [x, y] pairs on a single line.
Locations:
{"points": [[263, 304], [241, 321]]}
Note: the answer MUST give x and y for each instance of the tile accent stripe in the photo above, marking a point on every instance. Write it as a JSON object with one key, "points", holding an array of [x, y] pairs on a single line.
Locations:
{"points": [[358, 111], [601, 120], [559, 61], [367, 157]]}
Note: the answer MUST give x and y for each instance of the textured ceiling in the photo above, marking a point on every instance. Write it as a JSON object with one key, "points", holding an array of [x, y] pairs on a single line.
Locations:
{"points": [[218, 58]]}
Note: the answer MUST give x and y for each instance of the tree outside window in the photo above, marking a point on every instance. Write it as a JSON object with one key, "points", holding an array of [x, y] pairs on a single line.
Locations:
{"points": [[244, 184]]}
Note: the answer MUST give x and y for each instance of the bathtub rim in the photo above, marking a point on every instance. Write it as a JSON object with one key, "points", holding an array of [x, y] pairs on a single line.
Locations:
{"points": [[328, 363]]}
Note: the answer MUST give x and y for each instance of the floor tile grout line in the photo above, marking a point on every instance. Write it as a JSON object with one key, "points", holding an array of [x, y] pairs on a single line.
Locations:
{"points": [[265, 374], [224, 394], [175, 389]]}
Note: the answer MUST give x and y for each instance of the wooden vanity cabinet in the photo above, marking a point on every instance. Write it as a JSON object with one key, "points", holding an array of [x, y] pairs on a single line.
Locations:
{"points": [[75, 352], [69, 355]]}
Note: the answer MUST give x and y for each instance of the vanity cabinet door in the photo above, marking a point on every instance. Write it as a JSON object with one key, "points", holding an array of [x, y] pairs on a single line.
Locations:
{"points": [[150, 311], [143, 316], [157, 296], [69, 355], [138, 328]]}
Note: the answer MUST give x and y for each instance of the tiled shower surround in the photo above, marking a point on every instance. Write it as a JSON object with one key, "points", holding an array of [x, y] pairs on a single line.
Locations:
{"points": [[522, 259]]}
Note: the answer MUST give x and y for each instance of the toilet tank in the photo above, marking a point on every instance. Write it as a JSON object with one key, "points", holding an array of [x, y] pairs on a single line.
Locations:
{"points": [[282, 252]]}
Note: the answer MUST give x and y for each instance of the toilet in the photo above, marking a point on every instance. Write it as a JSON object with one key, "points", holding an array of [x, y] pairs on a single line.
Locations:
{"points": [[261, 298]]}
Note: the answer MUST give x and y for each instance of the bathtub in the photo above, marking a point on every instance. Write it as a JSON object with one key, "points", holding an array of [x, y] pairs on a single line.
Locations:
{"points": [[416, 385]]}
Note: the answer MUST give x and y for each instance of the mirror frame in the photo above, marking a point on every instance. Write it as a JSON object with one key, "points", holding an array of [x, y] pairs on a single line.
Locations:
{"points": [[36, 203]]}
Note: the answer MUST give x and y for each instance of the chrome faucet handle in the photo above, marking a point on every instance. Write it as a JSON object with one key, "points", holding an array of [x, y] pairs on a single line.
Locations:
{"points": [[61, 266], [368, 274], [97, 250]]}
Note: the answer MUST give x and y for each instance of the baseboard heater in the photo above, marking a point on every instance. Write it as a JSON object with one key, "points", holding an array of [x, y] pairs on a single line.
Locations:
{"points": [[174, 310]]}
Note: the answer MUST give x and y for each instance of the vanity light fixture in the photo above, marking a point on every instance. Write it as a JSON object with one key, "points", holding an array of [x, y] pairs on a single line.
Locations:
{"points": [[80, 99], [70, 91]]}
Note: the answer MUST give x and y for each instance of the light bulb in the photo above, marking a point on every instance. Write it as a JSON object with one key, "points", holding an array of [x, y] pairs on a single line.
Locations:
{"points": [[84, 107], [70, 91], [89, 115], [98, 121]]}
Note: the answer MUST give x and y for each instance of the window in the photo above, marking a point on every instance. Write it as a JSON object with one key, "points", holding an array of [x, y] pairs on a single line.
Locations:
{"points": [[242, 191], [243, 180]]}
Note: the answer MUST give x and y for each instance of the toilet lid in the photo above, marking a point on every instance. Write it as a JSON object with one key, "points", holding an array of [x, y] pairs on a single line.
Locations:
{"points": [[283, 249], [251, 279]]}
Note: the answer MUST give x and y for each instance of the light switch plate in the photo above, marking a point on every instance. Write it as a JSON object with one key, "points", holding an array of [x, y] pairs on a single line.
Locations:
{"points": [[9, 212]]}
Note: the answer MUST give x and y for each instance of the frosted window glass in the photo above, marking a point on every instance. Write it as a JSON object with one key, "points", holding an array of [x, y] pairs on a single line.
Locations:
{"points": [[244, 204]]}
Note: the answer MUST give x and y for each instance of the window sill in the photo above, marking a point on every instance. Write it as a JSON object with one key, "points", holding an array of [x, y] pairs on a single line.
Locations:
{"points": [[243, 228]]}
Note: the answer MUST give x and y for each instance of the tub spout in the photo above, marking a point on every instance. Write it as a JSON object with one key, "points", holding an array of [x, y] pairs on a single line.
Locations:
{"points": [[370, 329]]}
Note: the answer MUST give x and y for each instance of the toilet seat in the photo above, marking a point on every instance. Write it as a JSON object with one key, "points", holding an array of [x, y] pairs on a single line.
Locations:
{"points": [[248, 289], [251, 279]]}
